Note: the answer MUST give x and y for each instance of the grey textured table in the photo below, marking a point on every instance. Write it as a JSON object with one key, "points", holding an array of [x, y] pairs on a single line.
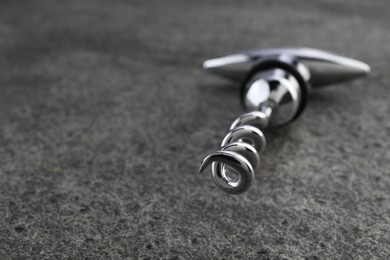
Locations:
{"points": [[106, 114]]}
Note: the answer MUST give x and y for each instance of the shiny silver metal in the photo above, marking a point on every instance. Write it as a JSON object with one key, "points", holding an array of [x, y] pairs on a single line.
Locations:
{"points": [[276, 85], [325, 68], [234, 164], [274, 88]]}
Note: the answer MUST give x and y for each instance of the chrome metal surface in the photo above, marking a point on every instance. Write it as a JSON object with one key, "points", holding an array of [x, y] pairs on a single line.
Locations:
{"points": [[255, 118], [325, 67], [239, 153], [238, 163], [246, 133], [276, 88]]}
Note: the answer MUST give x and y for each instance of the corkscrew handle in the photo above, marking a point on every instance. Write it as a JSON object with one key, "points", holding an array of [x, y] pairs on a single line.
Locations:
{"points": [[275, 88]]}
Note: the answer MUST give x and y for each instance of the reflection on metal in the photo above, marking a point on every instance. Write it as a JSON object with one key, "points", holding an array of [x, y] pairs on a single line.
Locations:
{"points": [[276, 85], [325, 67]]}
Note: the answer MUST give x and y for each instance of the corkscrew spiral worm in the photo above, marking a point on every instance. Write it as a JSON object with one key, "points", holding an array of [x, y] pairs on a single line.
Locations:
{"points": [[239, 154]]}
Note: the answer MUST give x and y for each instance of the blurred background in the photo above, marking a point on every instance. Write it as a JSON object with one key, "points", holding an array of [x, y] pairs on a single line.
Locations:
{"points": [[106, 114]]}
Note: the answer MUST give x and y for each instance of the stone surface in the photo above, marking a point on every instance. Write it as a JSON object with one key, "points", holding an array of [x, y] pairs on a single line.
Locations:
{"points": [[106, 113]]}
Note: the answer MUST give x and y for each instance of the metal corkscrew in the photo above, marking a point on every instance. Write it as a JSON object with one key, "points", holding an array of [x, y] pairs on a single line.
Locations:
{"points": [[275, 86]]}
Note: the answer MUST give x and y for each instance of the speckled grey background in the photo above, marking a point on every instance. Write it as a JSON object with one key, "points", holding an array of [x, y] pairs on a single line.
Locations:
{"points": [[105, 115]]}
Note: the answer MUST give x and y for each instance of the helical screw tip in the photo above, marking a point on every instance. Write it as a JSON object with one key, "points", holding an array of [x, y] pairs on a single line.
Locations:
{"points": [[202, 167]]}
